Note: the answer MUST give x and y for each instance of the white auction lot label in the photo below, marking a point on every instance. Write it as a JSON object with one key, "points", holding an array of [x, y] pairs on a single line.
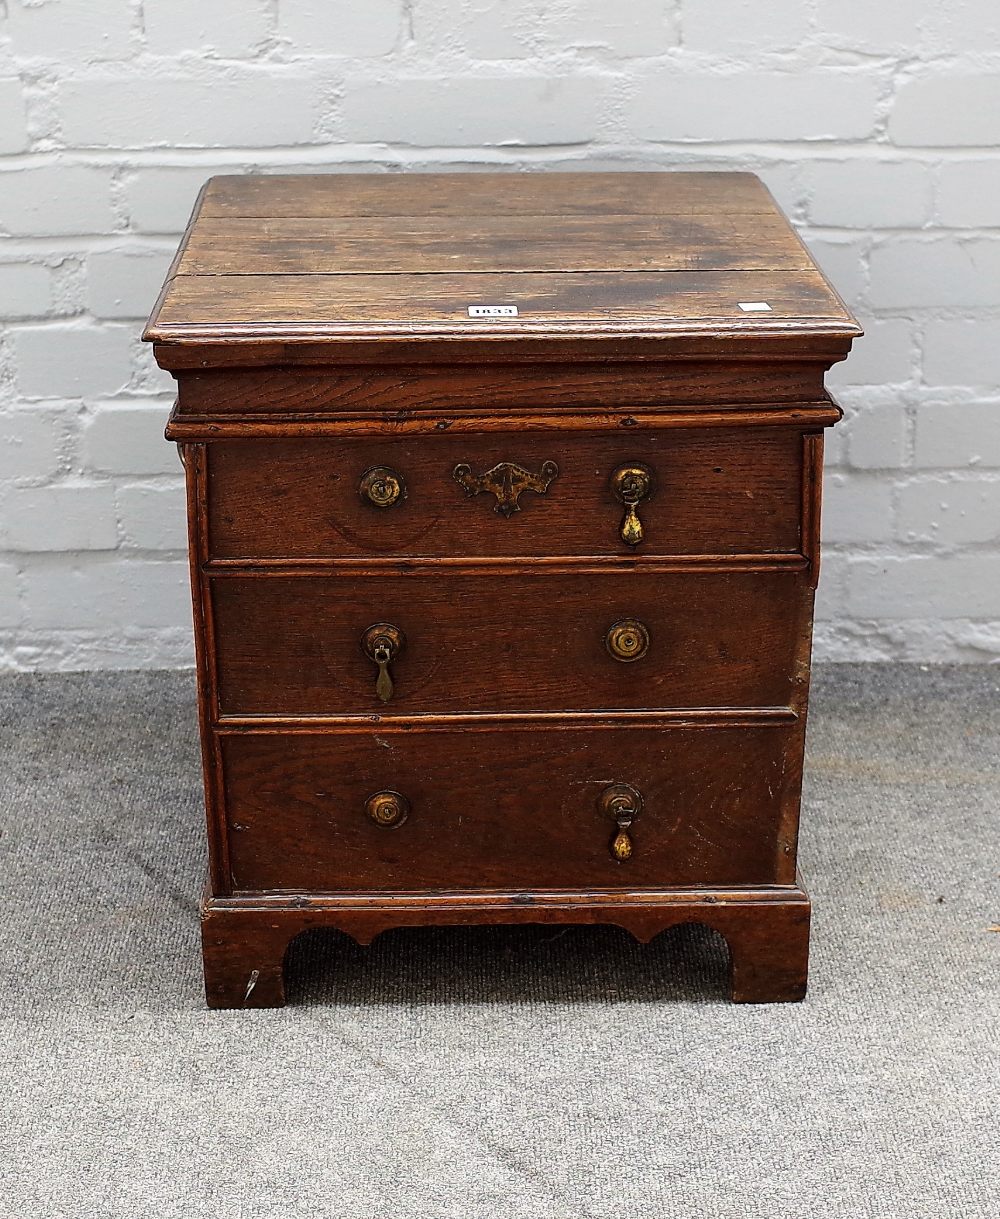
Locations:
{"points": [[493, 311]]}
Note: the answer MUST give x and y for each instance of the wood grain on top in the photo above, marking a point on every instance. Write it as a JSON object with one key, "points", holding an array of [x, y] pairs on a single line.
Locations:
{"points": [[404, 256], [316, 304], [443, 244], [486, 194]]}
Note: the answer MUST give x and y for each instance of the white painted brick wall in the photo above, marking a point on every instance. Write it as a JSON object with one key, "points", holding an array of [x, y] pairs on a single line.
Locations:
{"points": [[953, 435], [212, 108], [752, 106], [877, 126], [25, 290], [70, 361], [10, 600], [869, 194], [479, 109], [733, 27], [927, 273], [56, 200], [963, 351], [159, 200], [340, 27], [62, 30], [152, 517], [121, 283], [520, 29], [968, 194], [948, 108], [64, 517], [31, 446], [950, 511], [93, 593], [126, 437], [13, 117], [230, 29]]}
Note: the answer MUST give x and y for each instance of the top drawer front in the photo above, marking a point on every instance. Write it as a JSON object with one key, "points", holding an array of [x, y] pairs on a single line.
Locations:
{"points": [[716, 491]]}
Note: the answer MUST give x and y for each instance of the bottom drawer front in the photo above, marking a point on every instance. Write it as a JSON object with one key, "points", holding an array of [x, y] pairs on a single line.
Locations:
{"points": [[517, 809]]}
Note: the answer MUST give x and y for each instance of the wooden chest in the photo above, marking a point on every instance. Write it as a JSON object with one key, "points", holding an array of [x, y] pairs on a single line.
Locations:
{"points": [[504, 528]]}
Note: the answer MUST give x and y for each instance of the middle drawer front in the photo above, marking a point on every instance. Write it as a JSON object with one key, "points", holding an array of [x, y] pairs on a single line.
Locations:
{"points": [[514, 809], [292, 645]]}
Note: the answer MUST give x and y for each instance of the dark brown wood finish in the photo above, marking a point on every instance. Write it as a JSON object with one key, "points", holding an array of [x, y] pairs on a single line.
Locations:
{"points": [[319, 329], [316, 281], [767, 930], [294, 306], [288, 645], [473, 195], [398, 393], [717, 492], [493, 243], [478, 823]]}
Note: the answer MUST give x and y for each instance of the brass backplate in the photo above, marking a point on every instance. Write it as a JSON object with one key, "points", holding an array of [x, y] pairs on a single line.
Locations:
{"points": [[632, 483], [507, 482], [388, 809], [382, 487], [627, 640], [621, 802], [382, 635]]}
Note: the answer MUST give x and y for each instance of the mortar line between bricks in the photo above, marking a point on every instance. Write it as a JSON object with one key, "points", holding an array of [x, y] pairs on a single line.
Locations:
{"points": [[378, 154]]}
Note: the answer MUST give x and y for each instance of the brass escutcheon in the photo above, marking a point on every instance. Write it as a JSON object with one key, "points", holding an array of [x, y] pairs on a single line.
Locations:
{"points": [[388, 809], [627, 640], [506, 481], [624, 804], [382, 643], [382, 487], [631, 485]]}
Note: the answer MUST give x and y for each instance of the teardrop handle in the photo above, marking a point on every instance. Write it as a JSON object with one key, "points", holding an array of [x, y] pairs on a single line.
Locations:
{"points": [[631, 485], [382, 643], [624, 804], [631, 531], [621, 846], [383, 683]]}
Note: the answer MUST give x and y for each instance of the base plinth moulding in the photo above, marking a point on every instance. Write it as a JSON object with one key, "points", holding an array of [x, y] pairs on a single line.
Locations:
{"points": [[245, 939]]}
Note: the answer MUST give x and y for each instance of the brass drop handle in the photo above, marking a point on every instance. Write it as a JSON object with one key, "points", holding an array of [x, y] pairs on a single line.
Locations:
{"points": [[388, 809], [631, 485], [382, 643], [382, 487], [623, 804]]}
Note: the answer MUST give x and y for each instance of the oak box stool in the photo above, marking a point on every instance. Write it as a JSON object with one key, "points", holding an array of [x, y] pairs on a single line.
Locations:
{"points": [[503, 495]]}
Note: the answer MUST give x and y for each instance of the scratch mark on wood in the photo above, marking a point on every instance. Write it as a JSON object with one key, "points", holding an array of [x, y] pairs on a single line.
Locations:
{"points": [[254, 976]]}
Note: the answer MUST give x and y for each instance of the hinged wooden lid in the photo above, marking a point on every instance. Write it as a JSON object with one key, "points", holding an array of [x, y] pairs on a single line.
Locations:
{"points": [[274, 266]]}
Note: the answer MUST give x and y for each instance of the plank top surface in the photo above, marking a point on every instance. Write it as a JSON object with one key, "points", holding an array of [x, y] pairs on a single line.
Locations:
{"points": [[285, 258]]}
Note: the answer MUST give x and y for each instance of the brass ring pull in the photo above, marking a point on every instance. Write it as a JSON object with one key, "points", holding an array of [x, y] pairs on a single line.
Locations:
{"points": [[382, 643], [382, 487], [507, 482], [627, 640], [632, 484], [388, 809], [622, 803]]}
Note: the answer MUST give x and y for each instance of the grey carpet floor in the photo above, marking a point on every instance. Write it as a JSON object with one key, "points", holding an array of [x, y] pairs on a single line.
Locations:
{"points": [[522, 1073]]}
